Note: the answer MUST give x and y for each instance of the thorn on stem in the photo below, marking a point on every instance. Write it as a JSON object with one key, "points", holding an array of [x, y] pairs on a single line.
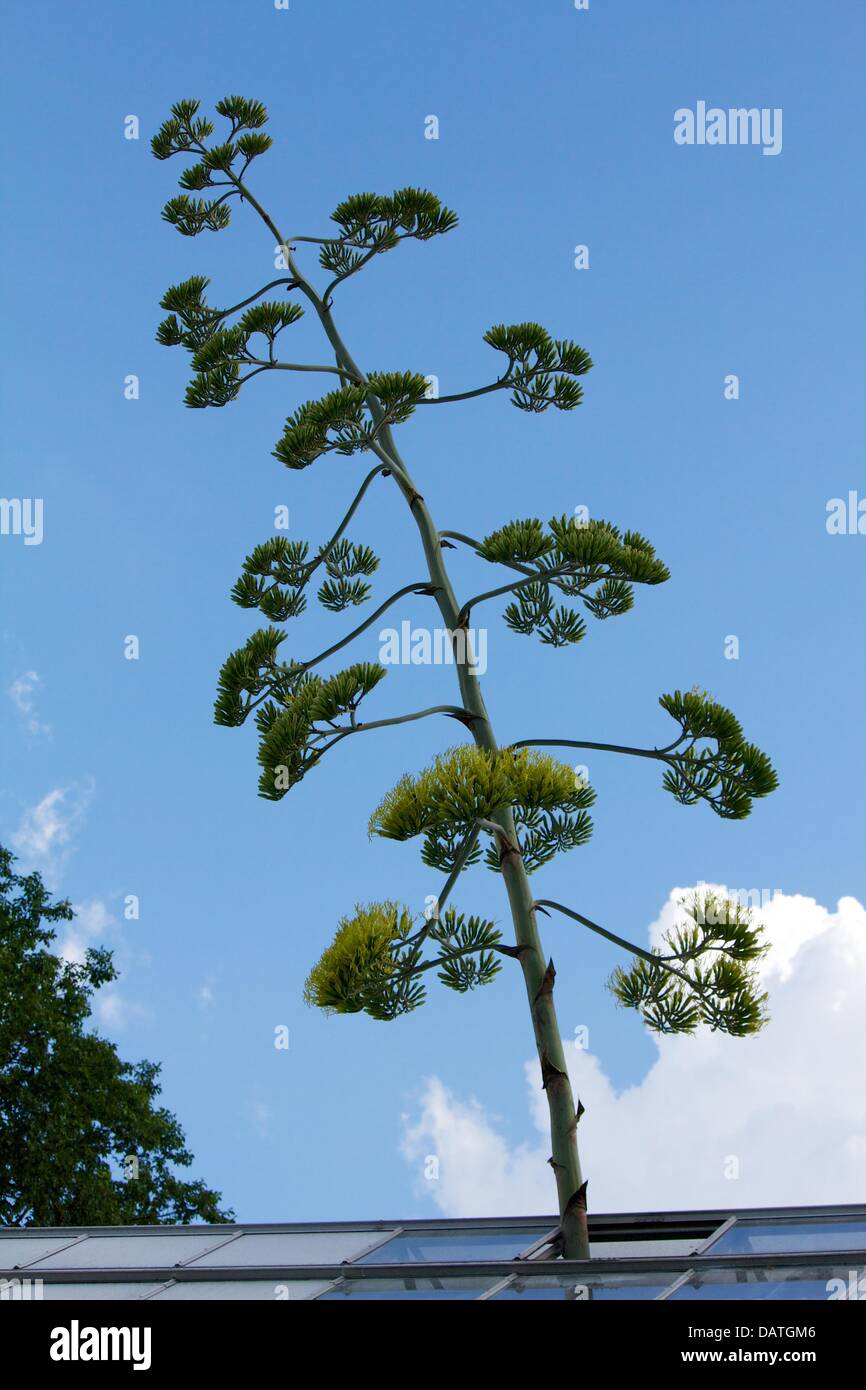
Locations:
{"points": [[577, 1202], [549, 1072], [464, 717], [546, 986]]}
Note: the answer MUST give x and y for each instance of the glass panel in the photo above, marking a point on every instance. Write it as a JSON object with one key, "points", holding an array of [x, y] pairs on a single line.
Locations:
{"points": [[565, 1288], [20, 1249], [292, 1248], [819, 1284], [625, 1249], [410, 1288], [265, 1290], [776, 1237], [131, 1251], [441, 1247]]}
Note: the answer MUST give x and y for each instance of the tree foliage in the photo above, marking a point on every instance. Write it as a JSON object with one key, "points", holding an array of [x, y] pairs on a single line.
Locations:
{"points": [[541, 369], [707, 974], [376, 959], [587, 561], [83, 1139], [716, 764], [467, 784]]}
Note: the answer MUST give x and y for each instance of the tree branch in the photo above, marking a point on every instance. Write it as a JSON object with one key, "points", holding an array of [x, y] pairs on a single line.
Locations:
{"points": [[300, 367], [343, 357], [476, 546], [459, 536], [285, 280], [453, 711], [451, 955], [325, 552], [371, 251], [339, 279], [422, 588], [661, 754], [326, 241], [500, 385], [459, 861], [539, 576], [542, 903]]}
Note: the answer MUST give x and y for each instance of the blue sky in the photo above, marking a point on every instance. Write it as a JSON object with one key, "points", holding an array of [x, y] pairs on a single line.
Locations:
{"points": [[556, 129]]}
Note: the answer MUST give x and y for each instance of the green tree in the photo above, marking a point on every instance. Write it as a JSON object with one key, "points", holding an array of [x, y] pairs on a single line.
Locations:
{"points": [[82, 1141], [522, 804]]}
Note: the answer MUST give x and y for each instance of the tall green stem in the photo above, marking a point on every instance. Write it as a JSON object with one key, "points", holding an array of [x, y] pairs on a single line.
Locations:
{"points": [[537, 974]]}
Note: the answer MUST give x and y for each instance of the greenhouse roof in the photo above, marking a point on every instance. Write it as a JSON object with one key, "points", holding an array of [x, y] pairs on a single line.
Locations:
{"points": [[768, 1253]]}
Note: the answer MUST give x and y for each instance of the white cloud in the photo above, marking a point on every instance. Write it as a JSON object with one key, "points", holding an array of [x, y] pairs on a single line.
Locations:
{"points": [[21, 693], [93, 917], [260, 1116], [786, 1107], [478, 1175], [43, 839], [93, 924], [114, 1011], [93, 921], [110, 1008], [205, 994]]}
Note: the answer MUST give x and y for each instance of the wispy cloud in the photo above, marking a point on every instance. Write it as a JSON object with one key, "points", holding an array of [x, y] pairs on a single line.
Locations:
{"points": [[93, 923], [22, 693], [115, 1011], [261, 1116], [44, 838], [96, 925], [205, 994]]}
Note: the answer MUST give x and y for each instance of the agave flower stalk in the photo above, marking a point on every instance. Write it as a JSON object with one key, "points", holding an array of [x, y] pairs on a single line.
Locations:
{"points": [[516, 806]]}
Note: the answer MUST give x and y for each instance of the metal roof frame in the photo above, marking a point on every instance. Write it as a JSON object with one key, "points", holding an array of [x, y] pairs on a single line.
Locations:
{"points": [[535, 1259], [599, 1222], [351, 1273]]}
